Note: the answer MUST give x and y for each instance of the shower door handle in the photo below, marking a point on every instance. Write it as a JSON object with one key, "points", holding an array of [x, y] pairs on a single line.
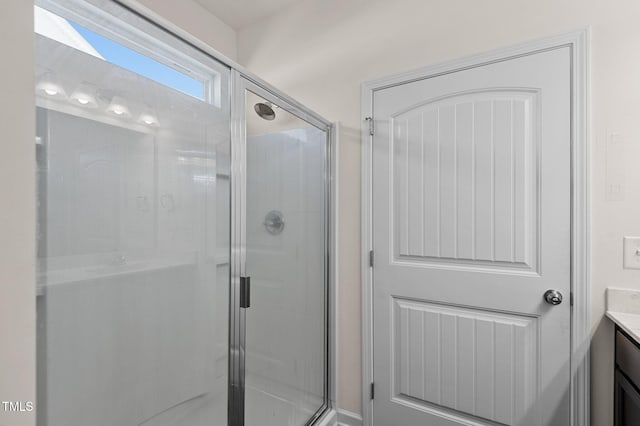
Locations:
{"points": [[245, 292]]}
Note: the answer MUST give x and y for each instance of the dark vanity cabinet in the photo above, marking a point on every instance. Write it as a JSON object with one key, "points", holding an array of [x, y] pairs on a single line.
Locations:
{"points": [[627, 381]]}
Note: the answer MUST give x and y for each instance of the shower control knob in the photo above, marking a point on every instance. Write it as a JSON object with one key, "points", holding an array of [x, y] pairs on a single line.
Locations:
{"points": [[553, 297], [274, 222]]}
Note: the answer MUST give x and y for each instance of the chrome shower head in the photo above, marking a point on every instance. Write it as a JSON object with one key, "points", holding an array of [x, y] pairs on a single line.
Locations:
{"points": [[265, 110]]}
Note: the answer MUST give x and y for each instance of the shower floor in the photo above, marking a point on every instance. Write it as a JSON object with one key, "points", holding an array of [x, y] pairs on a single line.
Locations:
{"points": [[262, 409]]}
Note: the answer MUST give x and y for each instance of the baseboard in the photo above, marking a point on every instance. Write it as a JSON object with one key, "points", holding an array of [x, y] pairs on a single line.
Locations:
{"points": [[347, 418], [329, 419]]}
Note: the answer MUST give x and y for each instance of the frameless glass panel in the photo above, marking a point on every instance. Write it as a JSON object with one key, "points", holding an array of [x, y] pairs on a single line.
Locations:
{"points": [[133, 226], [285, 258]]}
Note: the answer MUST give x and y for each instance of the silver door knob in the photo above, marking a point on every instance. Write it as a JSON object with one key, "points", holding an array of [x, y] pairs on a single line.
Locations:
{"points": [[553, 297]]}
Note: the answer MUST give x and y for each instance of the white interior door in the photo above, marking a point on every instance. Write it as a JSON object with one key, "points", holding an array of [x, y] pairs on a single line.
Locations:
{"points": [[471, 226]]}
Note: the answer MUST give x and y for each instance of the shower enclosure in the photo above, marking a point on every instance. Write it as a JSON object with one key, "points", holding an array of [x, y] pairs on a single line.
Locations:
{"points": [[183, 232]]}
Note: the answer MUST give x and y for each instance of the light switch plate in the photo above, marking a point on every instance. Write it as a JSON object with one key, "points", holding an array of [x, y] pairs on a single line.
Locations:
{"points": [[631, 253]]}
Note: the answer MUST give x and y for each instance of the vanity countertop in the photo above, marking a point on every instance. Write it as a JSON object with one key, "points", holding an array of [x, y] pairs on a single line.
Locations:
{"points": [[623, 308]]}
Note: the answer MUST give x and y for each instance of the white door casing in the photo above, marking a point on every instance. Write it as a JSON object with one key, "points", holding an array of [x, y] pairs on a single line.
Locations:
{"points": [[472, 222]]}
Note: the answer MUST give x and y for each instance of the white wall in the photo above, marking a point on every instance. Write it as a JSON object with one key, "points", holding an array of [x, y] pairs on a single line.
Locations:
{"points": [[17, 210], [319, 51], [196, 20]]}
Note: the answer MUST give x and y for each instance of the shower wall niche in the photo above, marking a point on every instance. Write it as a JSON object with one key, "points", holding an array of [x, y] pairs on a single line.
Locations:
{"points": [[137, 218]]}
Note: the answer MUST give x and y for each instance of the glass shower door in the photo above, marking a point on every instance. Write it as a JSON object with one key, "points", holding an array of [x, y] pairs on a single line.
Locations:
{"points": [[285, 231], [133, 222]]}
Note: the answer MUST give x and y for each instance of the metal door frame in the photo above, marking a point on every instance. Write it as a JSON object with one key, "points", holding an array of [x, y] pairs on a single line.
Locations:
{"points": [[240, 83]]}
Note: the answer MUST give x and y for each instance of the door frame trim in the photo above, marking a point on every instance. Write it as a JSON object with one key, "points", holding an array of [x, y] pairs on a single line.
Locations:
{"points": [[578, 41]]}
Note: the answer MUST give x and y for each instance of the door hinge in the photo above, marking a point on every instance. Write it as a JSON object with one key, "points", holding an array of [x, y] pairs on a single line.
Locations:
{"points": [[372, 390], [571, 299], [371, 258], [245, 292], [370, 120]]}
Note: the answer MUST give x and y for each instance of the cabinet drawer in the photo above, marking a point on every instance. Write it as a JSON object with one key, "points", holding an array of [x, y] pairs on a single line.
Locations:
{"points": [[628, 357]]}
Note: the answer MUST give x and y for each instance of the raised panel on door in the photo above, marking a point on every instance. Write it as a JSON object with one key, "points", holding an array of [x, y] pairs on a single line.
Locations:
{"points": [[478, 362], [464, 172]]}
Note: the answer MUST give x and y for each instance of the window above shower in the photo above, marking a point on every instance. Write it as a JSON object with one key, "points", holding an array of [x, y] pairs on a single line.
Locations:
{"points": [[81, 57]]}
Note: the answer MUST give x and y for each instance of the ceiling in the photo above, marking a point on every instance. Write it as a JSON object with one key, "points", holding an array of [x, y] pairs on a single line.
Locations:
{"points": [[239, 14]]}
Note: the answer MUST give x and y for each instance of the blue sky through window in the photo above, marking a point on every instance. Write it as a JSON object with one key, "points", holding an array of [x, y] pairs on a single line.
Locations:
{"points": [[133, 61]]}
